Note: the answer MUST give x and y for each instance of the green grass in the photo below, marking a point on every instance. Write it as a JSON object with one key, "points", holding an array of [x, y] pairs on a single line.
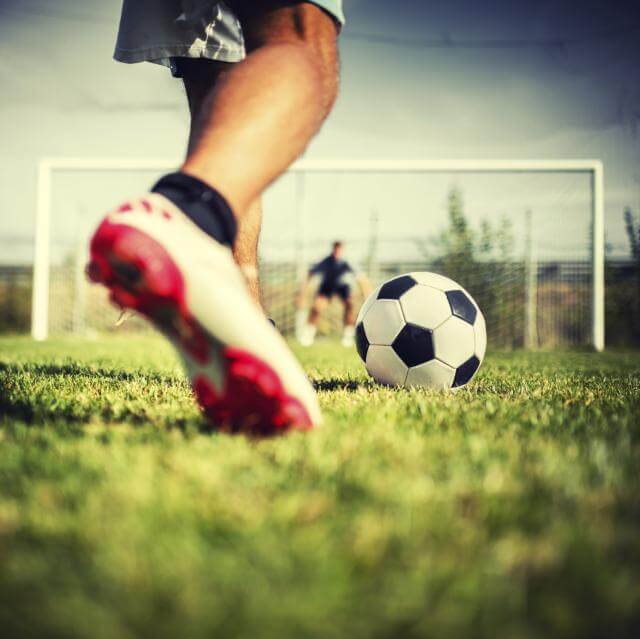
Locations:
{"points": [[509, 509]]}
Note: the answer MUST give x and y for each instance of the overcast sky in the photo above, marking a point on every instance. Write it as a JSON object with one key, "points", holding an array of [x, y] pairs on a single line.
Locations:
{"points": [[456, 79]]}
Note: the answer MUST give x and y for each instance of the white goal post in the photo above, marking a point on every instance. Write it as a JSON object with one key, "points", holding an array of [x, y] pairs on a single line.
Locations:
{"points": [[593, 168]]}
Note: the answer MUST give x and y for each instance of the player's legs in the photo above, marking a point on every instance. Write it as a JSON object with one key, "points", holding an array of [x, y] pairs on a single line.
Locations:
{"points": [[261, 113], [199, 77], [245, 250], [308, 332], [349, 318], [320, 304], [166, 254], [349, 314], [241, 136]]}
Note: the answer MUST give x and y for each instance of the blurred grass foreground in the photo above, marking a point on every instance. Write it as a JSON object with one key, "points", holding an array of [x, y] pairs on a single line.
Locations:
{"points": [[509, 509]]}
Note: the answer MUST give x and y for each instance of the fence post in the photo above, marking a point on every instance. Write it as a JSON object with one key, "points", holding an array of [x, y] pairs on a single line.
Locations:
{"points": [[40, 293], [598, 322], [531, 288], [372, 257], [79, 312]]}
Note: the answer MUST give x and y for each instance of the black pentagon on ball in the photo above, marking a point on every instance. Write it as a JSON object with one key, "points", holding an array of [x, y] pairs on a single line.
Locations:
{"points": [[362, 342], [393, 289], [466, 371], [414, 345], [462, 306]]}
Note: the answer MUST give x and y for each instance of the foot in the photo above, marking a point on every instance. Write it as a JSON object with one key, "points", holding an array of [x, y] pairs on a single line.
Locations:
{"points": [[308, 335], [155, 261], [348, 336]]}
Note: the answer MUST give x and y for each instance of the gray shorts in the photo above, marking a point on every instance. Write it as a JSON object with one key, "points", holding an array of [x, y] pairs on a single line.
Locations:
{"points": [[160, 30]]}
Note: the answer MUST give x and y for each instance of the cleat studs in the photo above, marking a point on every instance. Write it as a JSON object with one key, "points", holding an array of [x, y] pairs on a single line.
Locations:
{"points": [[94, 272], [127, 273]]}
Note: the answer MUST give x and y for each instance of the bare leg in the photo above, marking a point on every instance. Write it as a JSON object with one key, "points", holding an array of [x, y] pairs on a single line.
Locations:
{"points": [[245, 250], [348, 332], [349, 315], [308, 332], [319, 305], [261, 113], [200, 76], [254, 120]]}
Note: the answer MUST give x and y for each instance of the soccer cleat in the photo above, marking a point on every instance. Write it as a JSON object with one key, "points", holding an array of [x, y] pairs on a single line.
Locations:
{"points": [[156, 261]]}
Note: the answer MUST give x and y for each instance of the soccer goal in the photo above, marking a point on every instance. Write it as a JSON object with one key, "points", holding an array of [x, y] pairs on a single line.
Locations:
{"points": [[525, 237]]}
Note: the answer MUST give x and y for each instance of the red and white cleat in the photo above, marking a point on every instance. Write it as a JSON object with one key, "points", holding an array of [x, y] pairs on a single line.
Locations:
{"points": [[157, 262]]}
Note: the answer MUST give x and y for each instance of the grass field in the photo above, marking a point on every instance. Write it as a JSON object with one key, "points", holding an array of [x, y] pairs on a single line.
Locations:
{"points": [[509, 509]]}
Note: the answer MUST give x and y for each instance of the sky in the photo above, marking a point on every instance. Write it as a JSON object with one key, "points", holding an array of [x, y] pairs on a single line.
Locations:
{"points": [[460, 79]]}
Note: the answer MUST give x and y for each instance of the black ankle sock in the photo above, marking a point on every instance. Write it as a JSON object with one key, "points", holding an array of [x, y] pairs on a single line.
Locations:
{"points": [[201, 203]]}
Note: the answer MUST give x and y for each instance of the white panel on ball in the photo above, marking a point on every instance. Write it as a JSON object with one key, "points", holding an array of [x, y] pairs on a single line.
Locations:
{"points": [[480, 330], [385, 366], [440, 282], [433, 374], [383, 321], [366, 305], [454, 342], [425, 306]]}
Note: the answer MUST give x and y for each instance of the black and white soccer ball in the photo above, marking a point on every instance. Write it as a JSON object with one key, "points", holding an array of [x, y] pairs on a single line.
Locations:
{"points": [[421, 329]]}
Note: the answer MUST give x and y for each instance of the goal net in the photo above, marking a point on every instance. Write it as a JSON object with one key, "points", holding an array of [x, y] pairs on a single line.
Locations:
{"points": [[525, 238]]}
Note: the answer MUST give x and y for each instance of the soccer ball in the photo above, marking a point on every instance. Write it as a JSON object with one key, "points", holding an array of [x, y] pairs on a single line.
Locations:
{"points": [[421, 329]]}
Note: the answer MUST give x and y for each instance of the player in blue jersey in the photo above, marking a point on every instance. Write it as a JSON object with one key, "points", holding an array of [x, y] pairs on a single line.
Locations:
{"points": [[331, 277]]}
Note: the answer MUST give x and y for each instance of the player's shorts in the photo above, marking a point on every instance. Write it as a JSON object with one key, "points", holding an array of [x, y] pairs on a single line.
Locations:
{"points": [[343, 291], [161, 30]]}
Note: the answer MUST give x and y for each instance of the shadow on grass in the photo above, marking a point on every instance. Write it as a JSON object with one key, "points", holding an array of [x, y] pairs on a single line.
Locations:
{"points": [[336, 384], [45, 414], [40, 406], [76, 370], [44, 405]]}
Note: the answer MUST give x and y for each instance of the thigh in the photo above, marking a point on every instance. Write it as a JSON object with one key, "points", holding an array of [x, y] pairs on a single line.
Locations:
{"points": [[320, 302]]}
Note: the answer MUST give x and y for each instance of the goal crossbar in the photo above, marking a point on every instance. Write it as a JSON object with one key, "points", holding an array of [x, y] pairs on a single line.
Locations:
{"points": [[593, 168]]}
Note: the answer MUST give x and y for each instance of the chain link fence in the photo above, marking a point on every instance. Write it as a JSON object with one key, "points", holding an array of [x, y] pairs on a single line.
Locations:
{"points": [[560, 303]]}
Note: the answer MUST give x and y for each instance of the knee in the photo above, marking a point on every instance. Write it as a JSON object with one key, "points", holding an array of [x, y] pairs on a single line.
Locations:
{"points": [[312, 37], [319, 304]]}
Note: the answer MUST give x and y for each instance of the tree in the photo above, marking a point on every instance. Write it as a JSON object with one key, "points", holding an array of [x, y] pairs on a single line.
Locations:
{"points": [[623, 290], [482, 261], [455, 244], [633, 233]]}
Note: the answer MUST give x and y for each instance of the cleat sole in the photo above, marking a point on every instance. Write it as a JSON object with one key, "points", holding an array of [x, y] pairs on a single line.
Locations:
{"points": [[142, 276]]}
